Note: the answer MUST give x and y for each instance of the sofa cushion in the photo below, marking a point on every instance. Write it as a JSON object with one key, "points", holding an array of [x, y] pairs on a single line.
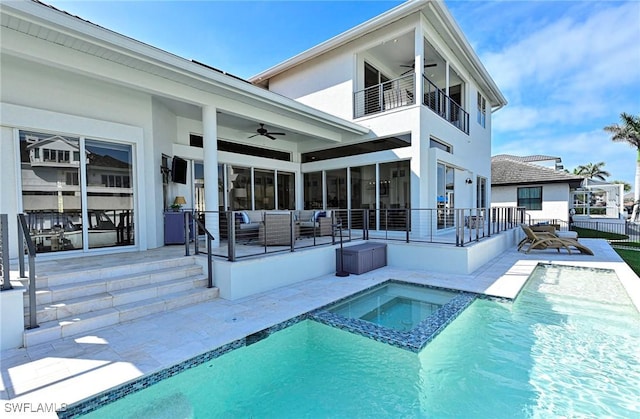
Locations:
{"points": [[319, 214], [249, 226]]}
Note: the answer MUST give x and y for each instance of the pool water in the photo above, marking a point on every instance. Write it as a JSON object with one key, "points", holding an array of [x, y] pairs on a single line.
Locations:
{"points": [[568, 347], [396, 306], [400, 313]]}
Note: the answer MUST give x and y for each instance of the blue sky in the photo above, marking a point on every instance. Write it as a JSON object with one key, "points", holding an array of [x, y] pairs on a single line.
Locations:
{"points": [[567, 68]]}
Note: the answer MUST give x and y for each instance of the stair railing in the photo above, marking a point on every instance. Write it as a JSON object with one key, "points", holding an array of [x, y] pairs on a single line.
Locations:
{"points": [[198, 224], [24, 240], [4, 253]]}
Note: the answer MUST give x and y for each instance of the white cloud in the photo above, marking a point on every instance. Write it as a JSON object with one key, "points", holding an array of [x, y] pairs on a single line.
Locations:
{"points": [[567, 78], [574, 55]]}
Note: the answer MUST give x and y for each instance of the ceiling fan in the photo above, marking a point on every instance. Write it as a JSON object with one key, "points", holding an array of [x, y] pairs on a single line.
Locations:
{"points": [[412, 66], [264, 132]]}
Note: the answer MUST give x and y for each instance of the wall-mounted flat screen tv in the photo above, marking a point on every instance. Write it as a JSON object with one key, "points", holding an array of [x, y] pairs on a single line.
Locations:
{"points": [[179, 170]]}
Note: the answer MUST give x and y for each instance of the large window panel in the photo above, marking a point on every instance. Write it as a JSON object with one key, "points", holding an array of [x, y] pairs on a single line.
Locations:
{"points": [[446, 194], [395, 194], [313, 190], [363, 194], [240, 196], [336, 189], [286, 191], [481, 192], [109, 194], [264, 189], [51, 192], [198, 192]]}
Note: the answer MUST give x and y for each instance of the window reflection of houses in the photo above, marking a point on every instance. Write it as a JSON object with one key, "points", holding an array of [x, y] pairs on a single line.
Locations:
{"points": [[53, 189]]}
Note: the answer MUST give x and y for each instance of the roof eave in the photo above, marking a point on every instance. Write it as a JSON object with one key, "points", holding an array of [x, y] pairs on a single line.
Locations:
{"points": [[572, 182], [392, 15], [386, 18], [499, 100], [90, 32]]}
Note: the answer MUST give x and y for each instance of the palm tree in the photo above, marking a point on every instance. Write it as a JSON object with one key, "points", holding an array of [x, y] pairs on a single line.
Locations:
{"points": [[629, 132], [626, 185], [592, 170]]}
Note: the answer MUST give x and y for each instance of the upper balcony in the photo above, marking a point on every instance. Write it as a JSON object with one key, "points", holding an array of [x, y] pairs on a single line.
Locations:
{"points": [[401, 92], [387, 79]]}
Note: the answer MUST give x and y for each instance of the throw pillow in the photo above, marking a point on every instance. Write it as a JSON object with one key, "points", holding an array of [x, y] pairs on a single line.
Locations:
{"points": [[318, 214]]}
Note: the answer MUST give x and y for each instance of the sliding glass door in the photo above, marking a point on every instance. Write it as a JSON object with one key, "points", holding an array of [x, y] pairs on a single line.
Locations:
{"points": [[109, 189], [77, 193]]}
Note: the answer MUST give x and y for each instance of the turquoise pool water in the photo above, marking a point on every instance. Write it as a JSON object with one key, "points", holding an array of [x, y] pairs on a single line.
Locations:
{"points": [[568, 347], [396, 306]]}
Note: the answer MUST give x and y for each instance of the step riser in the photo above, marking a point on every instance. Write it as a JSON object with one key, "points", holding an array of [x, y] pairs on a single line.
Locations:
{"points": [[62, 311], [48, 296], [169, 304], [106, 300], [111, 272], [114, 316], [84, 301]]}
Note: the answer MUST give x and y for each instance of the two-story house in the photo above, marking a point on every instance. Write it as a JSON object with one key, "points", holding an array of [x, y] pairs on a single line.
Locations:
{"points": [[411, 77], [394, 113]]}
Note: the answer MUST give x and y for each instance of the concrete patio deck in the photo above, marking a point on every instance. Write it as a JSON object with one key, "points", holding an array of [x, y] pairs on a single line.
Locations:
{"points": [[69, 370]]}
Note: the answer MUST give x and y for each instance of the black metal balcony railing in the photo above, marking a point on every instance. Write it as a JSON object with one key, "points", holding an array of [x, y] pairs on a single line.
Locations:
{"points": [[443, 105], [401, 92], [385, 96], [282, 231]]}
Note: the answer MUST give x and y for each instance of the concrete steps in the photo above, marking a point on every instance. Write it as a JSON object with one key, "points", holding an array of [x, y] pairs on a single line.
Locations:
{"points": [[82, 301]]}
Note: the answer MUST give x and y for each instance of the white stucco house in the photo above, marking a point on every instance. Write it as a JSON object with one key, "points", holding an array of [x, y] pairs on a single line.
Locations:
{"points": [[536, 183], [548, 193], [393, 113]]}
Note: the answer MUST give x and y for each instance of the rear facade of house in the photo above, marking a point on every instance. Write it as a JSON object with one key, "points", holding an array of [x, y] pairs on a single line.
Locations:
{"points": [[100, 133]]}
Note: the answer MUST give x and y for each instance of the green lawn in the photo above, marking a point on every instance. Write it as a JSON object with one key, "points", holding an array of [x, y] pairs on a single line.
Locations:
{"points": [[631, 257], [587, 233]]}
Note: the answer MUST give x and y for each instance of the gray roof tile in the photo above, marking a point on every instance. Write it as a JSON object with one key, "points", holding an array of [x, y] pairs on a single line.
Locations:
{"points": [[514, 171]]}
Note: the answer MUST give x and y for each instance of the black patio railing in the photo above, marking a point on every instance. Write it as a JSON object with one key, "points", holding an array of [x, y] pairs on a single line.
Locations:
{"points": [[26, 245], [244, 234], [4, 253]]}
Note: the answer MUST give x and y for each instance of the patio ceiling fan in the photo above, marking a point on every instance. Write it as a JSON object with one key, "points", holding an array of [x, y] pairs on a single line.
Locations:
{"points": [[412, 66], [264, 132]]}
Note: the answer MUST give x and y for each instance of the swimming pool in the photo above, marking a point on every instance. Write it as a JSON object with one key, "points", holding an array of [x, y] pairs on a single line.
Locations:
{"points": [[567, 347], [396, 306]]}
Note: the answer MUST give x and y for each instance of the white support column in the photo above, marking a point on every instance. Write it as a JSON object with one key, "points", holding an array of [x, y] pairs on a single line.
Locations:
{"points": [[419, 62], [448, 104], [210, 151]]}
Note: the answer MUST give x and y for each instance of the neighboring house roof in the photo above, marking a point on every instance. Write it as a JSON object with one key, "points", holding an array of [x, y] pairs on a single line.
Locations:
{"points": [[56, 138], [506, 172], [527, 159], [441, 20]]}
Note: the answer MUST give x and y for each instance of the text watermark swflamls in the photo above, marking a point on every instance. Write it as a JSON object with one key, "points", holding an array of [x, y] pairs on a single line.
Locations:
{"points": [[33, 408]]}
